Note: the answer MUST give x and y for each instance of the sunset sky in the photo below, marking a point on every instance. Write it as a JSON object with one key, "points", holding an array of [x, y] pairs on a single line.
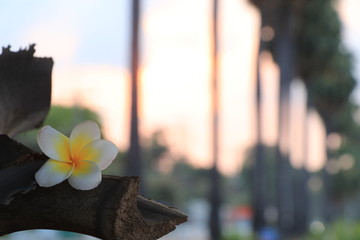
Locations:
{"points": [[89, 41]]}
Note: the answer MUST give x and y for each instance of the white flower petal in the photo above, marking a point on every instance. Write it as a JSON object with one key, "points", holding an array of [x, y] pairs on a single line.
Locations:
{"points": [[54, 144], [82, 134], [86, 176], [101, 151], [53, 172]]}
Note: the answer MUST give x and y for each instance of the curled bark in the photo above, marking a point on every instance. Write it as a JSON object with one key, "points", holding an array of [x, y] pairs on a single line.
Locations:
{"points": [[25, 90]]}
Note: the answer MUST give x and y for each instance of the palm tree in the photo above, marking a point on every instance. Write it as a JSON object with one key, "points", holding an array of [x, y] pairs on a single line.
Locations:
{"points": [[134, 165], [259, 164], [279, 16], [326, 70], [215, 200], [285, 58]]}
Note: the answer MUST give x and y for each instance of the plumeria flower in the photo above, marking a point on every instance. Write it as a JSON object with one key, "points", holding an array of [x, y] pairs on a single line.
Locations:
{"points": [[79, 159]]}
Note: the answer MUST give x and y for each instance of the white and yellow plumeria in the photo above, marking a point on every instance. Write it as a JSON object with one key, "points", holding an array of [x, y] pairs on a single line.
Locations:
{"points": [[79, 159]]}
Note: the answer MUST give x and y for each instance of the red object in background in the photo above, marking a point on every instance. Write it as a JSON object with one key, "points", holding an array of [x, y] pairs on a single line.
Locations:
{"points": [[242, 213]]}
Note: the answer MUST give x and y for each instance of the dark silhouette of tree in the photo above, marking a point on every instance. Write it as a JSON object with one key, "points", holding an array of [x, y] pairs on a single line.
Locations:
{"points": [[280, 17], [134, 165], [326, 68], [284, 55], [308, 44], [258, 173], [215, 200]]}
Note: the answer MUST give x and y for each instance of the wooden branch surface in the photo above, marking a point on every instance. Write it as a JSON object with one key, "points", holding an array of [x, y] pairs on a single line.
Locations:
{"points": [[18, 165], [113, 210], [25, 90]]}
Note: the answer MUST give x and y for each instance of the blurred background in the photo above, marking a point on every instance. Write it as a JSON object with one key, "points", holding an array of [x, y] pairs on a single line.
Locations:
{"points": [[244, 114]]}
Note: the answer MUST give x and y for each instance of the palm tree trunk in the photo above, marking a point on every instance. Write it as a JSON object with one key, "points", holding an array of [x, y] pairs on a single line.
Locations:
{"points": [[134, 166], [284, 55], [328, 206], [301, 190], [215, 200], [259, 164]]}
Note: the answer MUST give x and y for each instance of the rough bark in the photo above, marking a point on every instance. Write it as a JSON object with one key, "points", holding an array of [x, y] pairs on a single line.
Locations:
{"points": [[18, 165], [113, 210], [25, 90]]}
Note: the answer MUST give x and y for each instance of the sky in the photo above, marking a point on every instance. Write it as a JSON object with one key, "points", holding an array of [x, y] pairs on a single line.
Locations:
{"points": [[351, 34], [89, 43]]}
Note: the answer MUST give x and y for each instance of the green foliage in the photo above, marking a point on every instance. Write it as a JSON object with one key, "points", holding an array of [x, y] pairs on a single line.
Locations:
{"points": [[270, 169], [327, 70], [236, 237], [346, 182], [178, 181], [337, 230], [63, 119], [323, 62], [345, 124], [330, 90], [318, 35], [117, 167]]}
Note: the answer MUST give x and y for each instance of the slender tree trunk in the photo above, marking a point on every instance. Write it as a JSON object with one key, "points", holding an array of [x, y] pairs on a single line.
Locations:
{"points": [[300, 196], [134, 165], [259, 164], [215, 200], [284, 55], [301, 190], [328, 205]]}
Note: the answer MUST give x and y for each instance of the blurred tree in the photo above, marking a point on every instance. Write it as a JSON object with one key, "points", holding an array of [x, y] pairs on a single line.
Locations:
{"points": [[269, 179], [215, 194], [343, 167], [284, 56], [326, 68], [63, 119], [170, 178], [279, 17], [320, 59], [133, 158], [259, 172]]}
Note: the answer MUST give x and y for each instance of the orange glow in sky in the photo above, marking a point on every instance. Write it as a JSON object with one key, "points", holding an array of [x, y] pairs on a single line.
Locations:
{"points": [[175, 85], [175, 81]]}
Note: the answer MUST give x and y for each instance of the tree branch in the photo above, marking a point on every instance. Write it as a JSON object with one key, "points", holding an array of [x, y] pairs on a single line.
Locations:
{"points": [[113, 210], [25, 90]]}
